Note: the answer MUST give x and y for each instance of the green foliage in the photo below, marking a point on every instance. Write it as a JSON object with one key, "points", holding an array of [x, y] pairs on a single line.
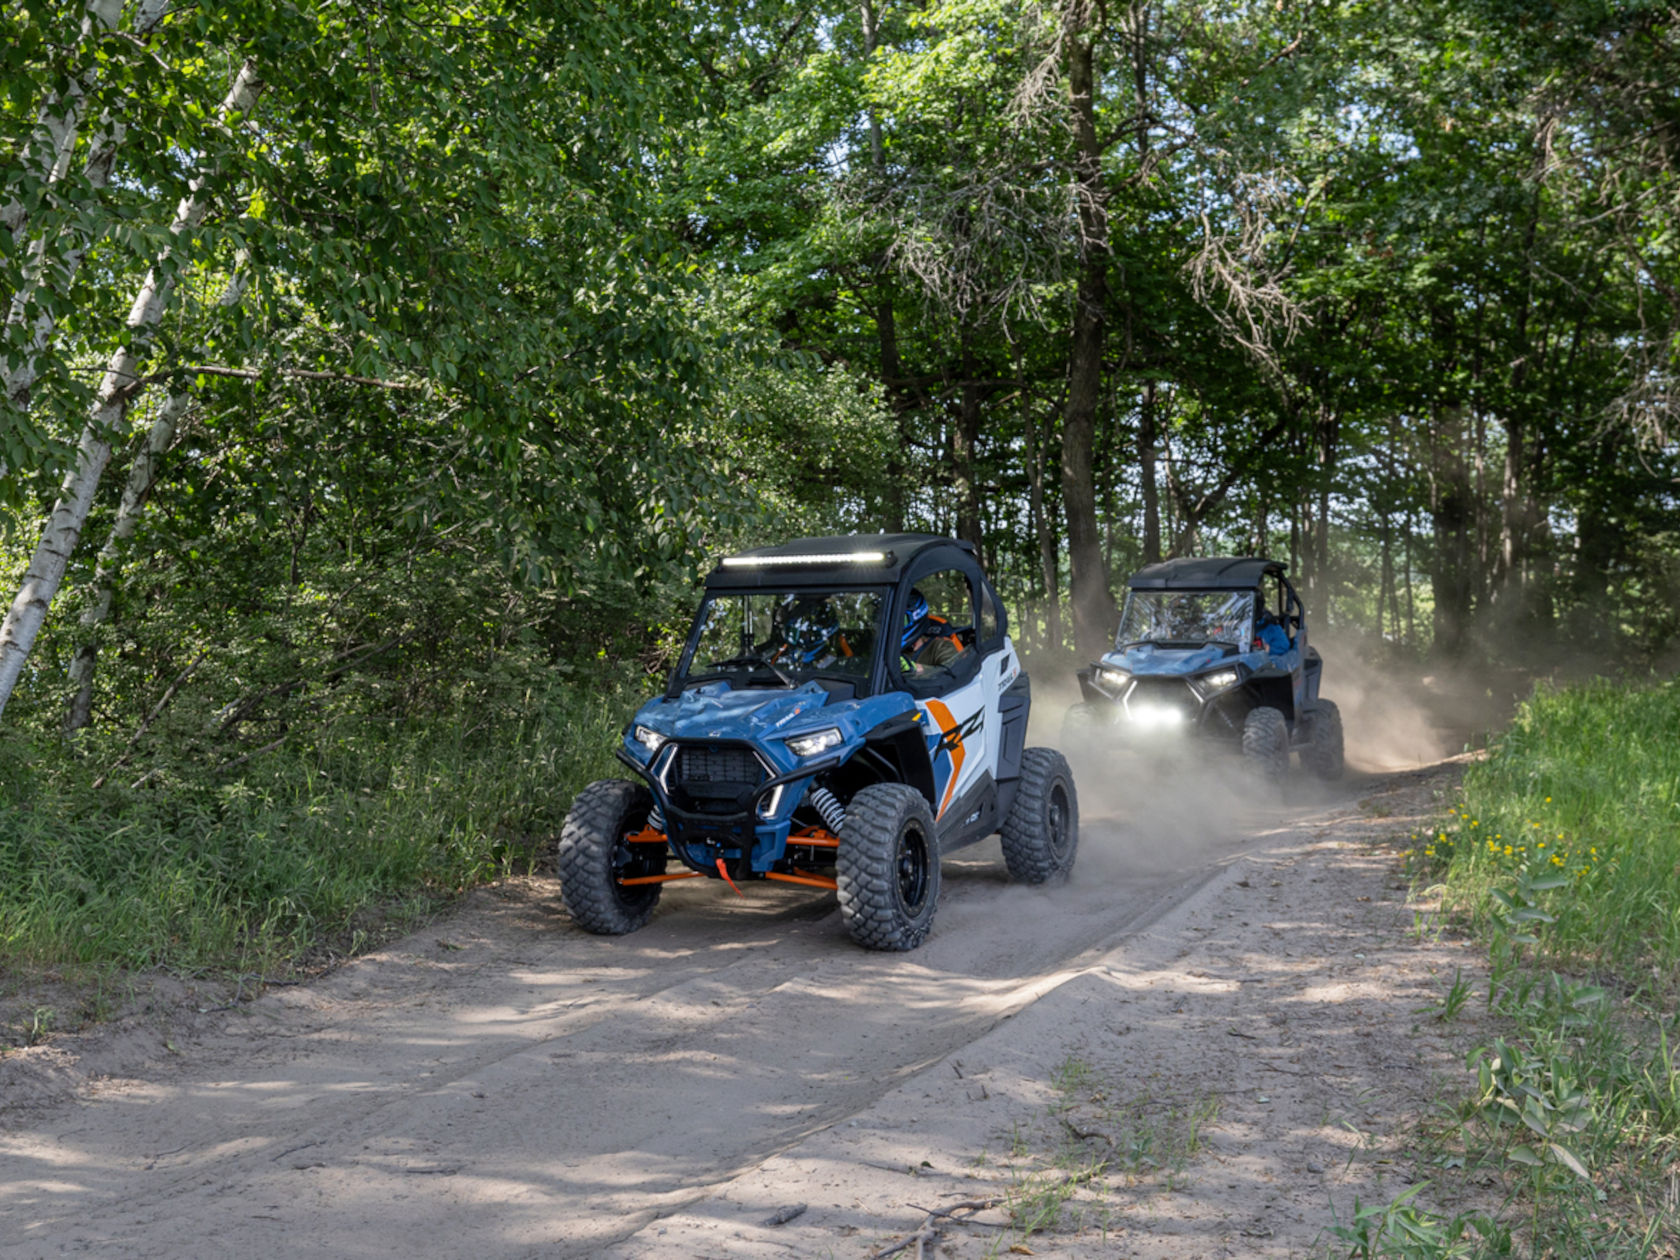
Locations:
{"points": [[259, 868], [1565, 833], [1562, 851], [1400, 1230]]}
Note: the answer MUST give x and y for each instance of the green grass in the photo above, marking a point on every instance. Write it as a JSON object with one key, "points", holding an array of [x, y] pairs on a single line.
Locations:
{"points": [[305, 848], [1584, 785], [1563, 855]]}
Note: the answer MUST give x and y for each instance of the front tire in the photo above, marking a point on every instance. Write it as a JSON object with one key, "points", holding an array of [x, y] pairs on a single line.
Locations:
{"points": [[1323, 753], [593, 856], [1084, 721], [887, 867], [1265, 743], [1041, 835]]}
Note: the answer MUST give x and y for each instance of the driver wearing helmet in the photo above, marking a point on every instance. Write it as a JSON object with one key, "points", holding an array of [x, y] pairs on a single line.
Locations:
{"points": [[810, 634], [928, 642]]}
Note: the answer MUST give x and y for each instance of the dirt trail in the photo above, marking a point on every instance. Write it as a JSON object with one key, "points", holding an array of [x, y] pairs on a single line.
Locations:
{"points": [[503, 1084]]}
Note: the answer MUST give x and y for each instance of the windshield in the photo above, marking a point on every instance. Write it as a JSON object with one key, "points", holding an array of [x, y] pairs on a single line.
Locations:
{"points": [[1190, 617], [783, 638]]}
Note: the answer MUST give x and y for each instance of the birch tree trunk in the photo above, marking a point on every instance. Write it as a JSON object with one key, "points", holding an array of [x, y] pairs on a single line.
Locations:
{"points": [[142, 476], [17, 377], [110, 411], [60, 118]]}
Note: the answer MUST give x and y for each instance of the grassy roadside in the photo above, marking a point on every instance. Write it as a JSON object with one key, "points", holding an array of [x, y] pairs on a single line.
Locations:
{"points": [[306, 853], [1562, 855]]}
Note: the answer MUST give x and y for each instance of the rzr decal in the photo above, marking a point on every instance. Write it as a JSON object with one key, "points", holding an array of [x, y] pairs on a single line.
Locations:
{"points": [[951, 738], [948, 750]]}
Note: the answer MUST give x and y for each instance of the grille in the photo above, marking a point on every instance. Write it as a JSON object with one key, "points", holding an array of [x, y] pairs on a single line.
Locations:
{"points": [[1164, 693], [711, 764]]}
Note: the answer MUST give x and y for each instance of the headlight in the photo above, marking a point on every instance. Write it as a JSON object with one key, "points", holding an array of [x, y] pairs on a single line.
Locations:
{"points": [[1218, 682], [650, 739], [1112, 677], [814, 743], [1149, 716]]}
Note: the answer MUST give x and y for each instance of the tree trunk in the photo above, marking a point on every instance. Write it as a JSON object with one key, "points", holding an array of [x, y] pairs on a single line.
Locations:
{"points": [[110, 411], [1452, 508], [965, 439], [17, 377], [892, 372], [60, 118], [886, 323], [1147, 438], [1329, 428], [142, 475], [1048, 561], [1094, 611]]}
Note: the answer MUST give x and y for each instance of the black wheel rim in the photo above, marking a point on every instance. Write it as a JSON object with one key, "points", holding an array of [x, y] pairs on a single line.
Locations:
{"points": [[912, 868], [1056, 823]]}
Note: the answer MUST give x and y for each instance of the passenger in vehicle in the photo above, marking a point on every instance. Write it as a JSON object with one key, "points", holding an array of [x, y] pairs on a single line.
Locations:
{"points": [[929, 642], [1268, 632]]}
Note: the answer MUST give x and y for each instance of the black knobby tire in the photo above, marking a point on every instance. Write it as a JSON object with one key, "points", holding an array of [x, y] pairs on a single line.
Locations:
{"points": [[592, 857], [1323, 752], [887, 867], [1041, 835], [1265, 742]]}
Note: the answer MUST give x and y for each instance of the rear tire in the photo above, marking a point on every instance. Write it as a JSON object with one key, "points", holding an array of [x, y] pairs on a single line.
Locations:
{"points": [[1323, 753], [1041, 835], [887, 867], [592, 857], [1265, 743]]}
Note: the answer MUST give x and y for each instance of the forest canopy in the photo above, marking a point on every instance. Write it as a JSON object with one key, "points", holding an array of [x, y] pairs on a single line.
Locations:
{"points": [[364, 362]]}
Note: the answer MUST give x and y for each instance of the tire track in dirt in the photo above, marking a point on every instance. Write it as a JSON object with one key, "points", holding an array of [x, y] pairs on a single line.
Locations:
{"points": [[500, 1079]]}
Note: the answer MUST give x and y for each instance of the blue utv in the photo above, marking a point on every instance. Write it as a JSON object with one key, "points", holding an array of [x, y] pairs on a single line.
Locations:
{"points": [[1213, 648], [845, 711]]}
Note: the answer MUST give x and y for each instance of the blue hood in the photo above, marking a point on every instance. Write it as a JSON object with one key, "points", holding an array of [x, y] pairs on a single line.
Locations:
{"points": [[1150, 659], [714, 711]]}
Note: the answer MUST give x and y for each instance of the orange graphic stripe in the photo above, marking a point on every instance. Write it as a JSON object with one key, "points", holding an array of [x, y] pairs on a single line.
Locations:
{"points": [[948, 726]]}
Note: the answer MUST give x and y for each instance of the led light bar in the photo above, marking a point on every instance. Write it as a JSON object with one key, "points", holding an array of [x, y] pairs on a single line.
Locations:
{"points": [[774, 562]]}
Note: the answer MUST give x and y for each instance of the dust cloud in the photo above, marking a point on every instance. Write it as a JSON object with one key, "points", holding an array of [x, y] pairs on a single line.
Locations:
{"points": [[1170, 807], [1149, 812], [1390, 718], [1401, 715]]}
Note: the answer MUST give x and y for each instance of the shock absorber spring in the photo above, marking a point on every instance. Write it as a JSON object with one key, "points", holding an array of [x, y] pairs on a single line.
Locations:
{"points": [[656, 818], [829, 806]]}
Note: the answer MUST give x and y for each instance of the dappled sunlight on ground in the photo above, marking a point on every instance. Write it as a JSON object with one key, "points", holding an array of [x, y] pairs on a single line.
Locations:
{"points": [[501, 1080]]}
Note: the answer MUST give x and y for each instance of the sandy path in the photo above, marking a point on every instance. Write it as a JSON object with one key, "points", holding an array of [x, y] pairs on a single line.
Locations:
{"points": [[504, 1084]]}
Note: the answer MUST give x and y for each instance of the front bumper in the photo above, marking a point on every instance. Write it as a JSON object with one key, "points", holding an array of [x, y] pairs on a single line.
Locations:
{"points": [[738, 829], [1155, 708]]}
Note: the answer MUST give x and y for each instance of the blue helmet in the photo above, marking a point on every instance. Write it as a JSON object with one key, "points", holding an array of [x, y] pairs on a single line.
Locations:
{"points": [[915, 612], [809, 624]]}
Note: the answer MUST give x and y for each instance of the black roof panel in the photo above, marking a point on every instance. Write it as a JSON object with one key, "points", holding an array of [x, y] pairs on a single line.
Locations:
{"points": [[829, 560], [1204, 573]]}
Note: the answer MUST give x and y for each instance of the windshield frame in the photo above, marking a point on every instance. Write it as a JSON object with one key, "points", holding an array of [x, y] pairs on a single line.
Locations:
{"points": [[1125, 636], [864, 684]]}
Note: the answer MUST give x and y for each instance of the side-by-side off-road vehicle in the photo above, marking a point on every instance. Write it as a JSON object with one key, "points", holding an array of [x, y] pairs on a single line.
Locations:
{"points": [[845, 711], [1215, 648]]}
